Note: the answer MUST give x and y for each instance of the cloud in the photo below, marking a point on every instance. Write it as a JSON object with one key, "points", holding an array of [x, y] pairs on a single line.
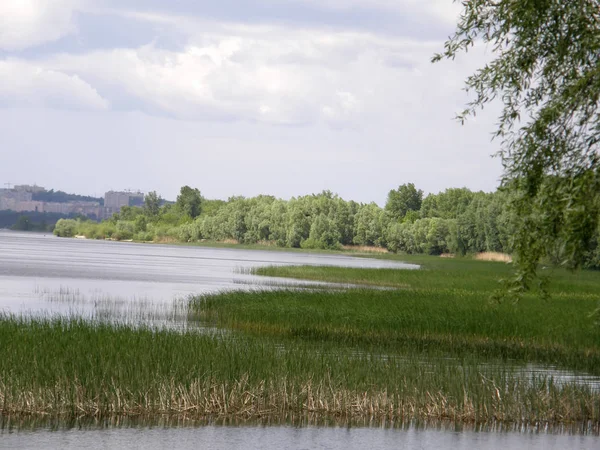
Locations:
{"points": [[150, 82], [26, 84], [409, 18], [266, 74], [27, 23]]}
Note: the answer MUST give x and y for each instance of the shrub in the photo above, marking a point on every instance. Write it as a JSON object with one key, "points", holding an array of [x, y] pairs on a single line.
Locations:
{"points": [[124, 230], [66, 228]]}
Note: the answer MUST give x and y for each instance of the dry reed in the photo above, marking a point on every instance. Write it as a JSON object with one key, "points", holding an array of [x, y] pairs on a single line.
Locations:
{"points": [[275, 399], [493, 256], [365, 249]]}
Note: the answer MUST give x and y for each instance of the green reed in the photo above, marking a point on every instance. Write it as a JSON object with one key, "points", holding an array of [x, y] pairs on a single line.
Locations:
{"points": [[73, 368], [447, 306]]}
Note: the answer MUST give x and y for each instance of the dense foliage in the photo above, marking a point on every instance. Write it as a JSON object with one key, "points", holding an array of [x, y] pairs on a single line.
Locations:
{"points": [[30, 221], [454, 221], [545, 73], [63, 197]]}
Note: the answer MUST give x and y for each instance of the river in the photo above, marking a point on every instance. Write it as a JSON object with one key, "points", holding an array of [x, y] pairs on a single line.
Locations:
{"points": [[300, 438], [43, 274]]}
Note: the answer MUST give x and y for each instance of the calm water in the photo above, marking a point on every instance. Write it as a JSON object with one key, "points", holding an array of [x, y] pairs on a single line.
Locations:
{"points": [[283, 437], [41, 274], [44, 274]]}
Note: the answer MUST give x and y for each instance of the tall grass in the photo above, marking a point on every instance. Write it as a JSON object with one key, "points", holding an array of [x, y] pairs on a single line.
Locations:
{"points": [[459, 323], [446, 306], [74, 369], [440, 273]]}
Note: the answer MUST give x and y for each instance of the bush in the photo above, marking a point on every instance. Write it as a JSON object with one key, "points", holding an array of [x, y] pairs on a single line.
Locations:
{"points": [[66, 228], [143, 236], [124, 230], [189, 232]]}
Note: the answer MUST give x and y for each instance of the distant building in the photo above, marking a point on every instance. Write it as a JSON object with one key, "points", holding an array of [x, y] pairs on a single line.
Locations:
{"points": [[115, 200], [20, 199], [11, 198]]}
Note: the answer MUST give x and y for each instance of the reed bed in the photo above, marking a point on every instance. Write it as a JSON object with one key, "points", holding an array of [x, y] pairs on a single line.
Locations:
{"points": [[74, 369], [460, 323], [440, 274], [282, 399], [493, 256], [364, 249]]}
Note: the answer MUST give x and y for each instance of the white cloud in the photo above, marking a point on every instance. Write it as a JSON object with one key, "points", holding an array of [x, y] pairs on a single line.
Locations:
{"points": [[27, 23], [261, 73], [373, 106], [26, 84]]}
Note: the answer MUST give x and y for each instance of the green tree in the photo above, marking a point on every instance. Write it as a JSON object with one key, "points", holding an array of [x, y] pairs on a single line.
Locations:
{"points": [[189, 201], [370, 224], [546, 75], [439, 236], [126, 213], [23, 224], [402, 200], [449, 204], [66, 228], [140, 224], [210, 207], [323, 234], [152, 203], [298, 222]]}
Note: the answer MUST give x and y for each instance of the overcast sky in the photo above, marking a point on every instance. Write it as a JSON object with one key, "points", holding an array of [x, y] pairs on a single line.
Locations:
{"points": [[237, 97]]}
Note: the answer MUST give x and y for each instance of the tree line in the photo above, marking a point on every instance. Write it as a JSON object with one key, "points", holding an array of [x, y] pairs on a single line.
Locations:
{"points": [[457, 221], [53, 196], [31, 220]]}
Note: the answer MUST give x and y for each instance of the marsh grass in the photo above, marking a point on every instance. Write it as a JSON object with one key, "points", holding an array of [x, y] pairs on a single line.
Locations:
{"points": [[73, 369], [446, 306], [440, 314], [438, 273], [559, 332]]}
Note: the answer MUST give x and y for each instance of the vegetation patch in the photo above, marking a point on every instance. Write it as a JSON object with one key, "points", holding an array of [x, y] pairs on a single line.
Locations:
{"points": [[74, 369], [493, 256]]}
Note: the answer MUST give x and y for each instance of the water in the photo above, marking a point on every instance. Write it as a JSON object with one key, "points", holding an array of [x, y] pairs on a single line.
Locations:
{"points": [[43, 274], [267, 438]]}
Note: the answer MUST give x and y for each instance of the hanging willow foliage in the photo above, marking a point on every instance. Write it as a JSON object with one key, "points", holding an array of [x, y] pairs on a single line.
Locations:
{"points": [[546, 74]]}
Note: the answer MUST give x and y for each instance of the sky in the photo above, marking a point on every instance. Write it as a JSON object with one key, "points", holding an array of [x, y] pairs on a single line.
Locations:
{"points": [[238, 97]]}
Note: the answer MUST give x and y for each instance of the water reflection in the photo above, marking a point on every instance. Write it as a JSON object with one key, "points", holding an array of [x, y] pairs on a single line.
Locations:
{"points": [[227, 435], [21, 425], [34, 268]]}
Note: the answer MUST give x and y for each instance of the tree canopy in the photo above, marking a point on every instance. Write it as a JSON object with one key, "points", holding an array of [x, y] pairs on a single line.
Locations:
{"points": [[63, 197], [404, 199], [152, 202], [189, 201], [545, 73]]}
